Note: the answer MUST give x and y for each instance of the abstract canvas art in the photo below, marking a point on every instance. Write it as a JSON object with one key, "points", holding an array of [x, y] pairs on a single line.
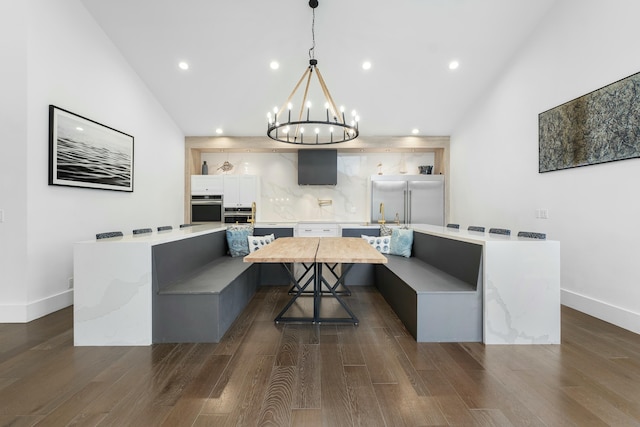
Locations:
{"points": [[601, 126], [85, 153]]}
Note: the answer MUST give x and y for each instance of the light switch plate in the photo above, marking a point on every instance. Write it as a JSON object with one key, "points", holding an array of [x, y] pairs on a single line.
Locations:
{"points": [[1, 215], [542, 213]]}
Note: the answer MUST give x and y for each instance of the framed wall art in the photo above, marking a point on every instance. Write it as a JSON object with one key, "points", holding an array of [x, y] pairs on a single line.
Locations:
{"points": [[85, 153], [601, 126]]}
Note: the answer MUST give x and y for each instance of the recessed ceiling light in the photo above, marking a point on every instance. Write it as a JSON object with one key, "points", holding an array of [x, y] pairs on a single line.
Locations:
{"points": [[366, 65], [219, 131], [183, 65], [274, 65], [453, 65], [415, 131], [79, 129]]}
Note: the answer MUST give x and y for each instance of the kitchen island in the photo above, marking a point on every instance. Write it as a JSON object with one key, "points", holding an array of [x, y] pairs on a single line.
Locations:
{"points": [[518, 282], [113, 289], [520, 285]]}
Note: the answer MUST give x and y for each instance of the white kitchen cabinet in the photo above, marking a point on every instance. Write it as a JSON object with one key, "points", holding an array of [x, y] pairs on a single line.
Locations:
{"points": [[317, 229], [240, 190], [206, 184]]}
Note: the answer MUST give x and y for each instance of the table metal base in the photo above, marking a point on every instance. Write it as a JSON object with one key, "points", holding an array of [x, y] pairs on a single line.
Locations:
{"points": [[344, 291], [318, 293]]}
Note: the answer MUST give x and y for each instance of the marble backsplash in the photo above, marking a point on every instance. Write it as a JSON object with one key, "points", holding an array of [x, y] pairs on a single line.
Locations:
{"points": [[281, 199]]}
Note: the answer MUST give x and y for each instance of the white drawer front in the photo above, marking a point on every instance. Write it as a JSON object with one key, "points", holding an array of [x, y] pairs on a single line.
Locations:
{"points": [[317, 230]]}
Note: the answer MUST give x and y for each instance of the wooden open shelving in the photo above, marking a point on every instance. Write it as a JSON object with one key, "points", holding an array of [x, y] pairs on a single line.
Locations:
{"points": [[196, 145]]}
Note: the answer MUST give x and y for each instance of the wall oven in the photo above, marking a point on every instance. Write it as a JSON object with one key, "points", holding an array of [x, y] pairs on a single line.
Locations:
{"points": [[206, 208], [237, 215]]}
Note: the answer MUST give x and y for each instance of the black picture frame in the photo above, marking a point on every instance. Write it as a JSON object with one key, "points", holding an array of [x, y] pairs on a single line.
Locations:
{"points": [[87, 154], [599, 127]]}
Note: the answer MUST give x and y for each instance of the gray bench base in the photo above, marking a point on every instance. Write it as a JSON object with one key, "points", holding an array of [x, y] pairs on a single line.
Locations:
{"points": [[198, 290], [202, 307], [433, 305]]}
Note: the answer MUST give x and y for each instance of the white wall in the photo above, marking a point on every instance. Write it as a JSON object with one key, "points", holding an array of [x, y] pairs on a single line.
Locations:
{"points": [[68, 61], [13, 156], [593, 211], [283, 200]]}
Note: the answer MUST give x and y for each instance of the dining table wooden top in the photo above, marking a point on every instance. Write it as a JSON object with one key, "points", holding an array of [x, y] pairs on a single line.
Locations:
{"points": [[286, 249], [348, 250], [317, 249]]}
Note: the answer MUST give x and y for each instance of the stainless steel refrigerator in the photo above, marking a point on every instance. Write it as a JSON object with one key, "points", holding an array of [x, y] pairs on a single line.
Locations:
{"points": [[411, 199]]}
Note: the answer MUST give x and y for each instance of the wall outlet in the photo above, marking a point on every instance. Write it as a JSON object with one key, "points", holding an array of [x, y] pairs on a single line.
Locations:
{"points": [[70, 282]]}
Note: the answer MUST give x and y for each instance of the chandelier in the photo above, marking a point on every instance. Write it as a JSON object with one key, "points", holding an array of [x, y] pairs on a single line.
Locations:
{"points": [[331, 128]]}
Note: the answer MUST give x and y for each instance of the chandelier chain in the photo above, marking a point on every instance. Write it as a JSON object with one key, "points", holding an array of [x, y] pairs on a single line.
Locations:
{"points": [[313, 35]]}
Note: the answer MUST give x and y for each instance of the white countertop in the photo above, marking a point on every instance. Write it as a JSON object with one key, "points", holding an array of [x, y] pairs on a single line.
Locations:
{"points": [[436, 230], [470, 236], [295, 224], [158, 237]]}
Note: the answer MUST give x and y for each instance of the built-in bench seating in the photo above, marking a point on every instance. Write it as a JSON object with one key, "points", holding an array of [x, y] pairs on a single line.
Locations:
{"points": [[272, 274], [436, 292], [199, 290], [360, 274]]}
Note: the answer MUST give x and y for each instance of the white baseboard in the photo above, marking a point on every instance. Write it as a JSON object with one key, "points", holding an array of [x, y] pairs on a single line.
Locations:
{"points": [[23, 313], [616, 315]]}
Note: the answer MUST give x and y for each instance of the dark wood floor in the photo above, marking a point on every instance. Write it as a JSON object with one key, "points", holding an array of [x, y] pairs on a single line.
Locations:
{"points": [[373, 374]]}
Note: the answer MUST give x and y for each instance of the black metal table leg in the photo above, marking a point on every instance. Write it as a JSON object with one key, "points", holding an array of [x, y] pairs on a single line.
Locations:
{"points": [[318, 292], [332, 269], [307, 268], [300, 290], [339, 280], [332, 289]]}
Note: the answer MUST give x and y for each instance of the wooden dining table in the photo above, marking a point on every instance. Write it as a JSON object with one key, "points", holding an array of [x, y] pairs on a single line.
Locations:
{"points": [[319, 252]]}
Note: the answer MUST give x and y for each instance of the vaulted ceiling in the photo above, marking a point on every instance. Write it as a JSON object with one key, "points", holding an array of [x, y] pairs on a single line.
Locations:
{"points": [[229, 47]]}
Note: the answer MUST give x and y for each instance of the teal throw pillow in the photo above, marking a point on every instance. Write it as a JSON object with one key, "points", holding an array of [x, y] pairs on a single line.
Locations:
{"points": [[401, 242], [237, 240]]}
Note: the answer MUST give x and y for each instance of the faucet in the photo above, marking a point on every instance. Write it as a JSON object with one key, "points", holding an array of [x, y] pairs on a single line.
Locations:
{"points": [[252, 220], [381, 221]]}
